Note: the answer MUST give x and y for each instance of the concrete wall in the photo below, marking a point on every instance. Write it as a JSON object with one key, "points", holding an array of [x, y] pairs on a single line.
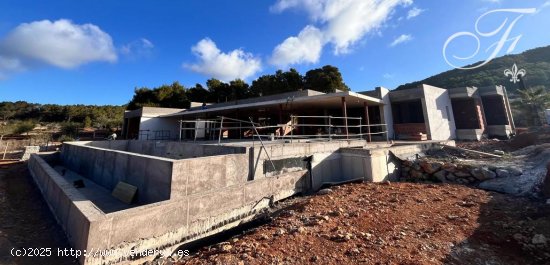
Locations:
{"points": [[205, 206], [379, 164], [438, 113], [151, 175], [166, 149], [74, 213]]}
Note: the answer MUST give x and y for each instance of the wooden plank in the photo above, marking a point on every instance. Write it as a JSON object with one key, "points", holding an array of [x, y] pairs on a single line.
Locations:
{"points": [[124, 192]]}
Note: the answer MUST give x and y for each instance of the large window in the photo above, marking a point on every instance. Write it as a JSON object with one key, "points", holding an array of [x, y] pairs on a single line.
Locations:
{"points": [[408, 112]]}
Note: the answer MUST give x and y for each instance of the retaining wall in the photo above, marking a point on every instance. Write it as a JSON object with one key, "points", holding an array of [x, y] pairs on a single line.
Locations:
{"points": [[163, 225], [204, 195], [166, 149]]}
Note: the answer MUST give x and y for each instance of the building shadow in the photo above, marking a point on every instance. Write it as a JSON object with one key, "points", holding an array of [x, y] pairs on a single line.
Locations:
{"points": [[506, 227]]}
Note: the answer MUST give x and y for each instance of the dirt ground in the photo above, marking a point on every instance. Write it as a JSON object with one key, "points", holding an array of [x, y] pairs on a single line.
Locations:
{"points": [[396, 223], [358, 223], [25, 220]]}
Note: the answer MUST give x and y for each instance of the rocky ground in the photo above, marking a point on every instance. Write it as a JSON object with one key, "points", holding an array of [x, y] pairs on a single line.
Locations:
{"points": [[394, 223]]}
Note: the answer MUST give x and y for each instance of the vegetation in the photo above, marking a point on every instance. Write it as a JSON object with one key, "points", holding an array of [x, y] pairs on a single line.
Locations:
{"points": [[24, 127], [325, 79], [16, 117], [533, 101], [536, 62]]}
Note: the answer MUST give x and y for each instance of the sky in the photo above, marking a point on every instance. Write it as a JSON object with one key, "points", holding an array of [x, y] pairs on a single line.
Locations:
{"points": [[98, 51]]}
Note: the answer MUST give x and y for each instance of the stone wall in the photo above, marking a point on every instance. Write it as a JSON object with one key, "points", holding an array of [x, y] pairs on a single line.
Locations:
{"points": [[448, 172]]}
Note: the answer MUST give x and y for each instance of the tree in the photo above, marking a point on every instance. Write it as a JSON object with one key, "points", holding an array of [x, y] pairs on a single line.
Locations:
{"points": [[168, 96], [239, 89], [534, 101], [326, 79], [6, 129], [197, 94], [280, 82], [143, 97], [87, 122], [218, 90], [24, 127], [70, 129]]}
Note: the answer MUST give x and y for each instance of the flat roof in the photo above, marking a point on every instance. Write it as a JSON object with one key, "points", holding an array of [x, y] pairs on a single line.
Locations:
{"points": [[331, 100]]}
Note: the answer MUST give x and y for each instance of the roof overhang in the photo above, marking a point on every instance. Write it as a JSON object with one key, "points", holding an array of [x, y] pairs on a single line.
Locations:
{"points": [[328, 101]]}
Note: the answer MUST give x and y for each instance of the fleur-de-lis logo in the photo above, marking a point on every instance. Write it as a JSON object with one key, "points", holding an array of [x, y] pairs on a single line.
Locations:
{"points": [[515, 74]]}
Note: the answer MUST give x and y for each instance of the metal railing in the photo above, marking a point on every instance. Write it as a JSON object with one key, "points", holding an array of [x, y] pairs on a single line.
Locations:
{"points": [[298, 128]]}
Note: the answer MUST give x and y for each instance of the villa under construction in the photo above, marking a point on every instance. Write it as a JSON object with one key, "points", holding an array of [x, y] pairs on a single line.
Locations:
{"points": [[183, 175], [424, 113]]}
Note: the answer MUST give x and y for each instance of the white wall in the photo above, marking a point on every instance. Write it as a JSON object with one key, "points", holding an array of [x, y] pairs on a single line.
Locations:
{"points": [[386, 110], [438, 113], [156, 124]]}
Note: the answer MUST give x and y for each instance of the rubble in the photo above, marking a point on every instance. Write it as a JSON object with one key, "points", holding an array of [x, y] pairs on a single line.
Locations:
{"points": [[447, 172], [520, 172]]}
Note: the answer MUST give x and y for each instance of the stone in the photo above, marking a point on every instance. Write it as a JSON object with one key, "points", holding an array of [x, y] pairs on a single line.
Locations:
{"points": [[518, 237], [416, 174], [324, 191], [514, 171], [280, 232], [461, 174], [548, 201], [451, 177], [499, 152], [441, 175], [430, 168], [461, 181], [354, 251], [539, 239], [226, 248], [503, 173], [449, 167], [483, 173], [29, 150]]}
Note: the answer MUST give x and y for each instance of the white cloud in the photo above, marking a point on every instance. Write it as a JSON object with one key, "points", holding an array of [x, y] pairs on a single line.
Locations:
{"points": [[401, 39], [388, 76], [223, 66], [414, 12], [59, 43], [9, 66], [138, 48], [305, 48], [341, 23], [543, 6]]}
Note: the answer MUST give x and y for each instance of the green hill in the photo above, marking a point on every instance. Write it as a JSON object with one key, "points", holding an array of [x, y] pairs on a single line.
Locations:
{"points": [[536, 62]]}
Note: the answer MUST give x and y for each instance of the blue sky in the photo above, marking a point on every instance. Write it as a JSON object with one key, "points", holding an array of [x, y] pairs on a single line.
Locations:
{"points": [[97, 52]]}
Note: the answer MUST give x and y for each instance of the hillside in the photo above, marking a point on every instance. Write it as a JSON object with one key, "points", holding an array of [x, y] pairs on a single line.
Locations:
{"points": [[536, 62]]}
